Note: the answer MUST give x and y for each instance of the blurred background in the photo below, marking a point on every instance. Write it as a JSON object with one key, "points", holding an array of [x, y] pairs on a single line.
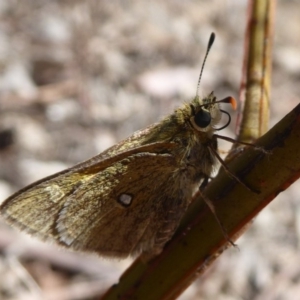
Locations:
{"points": [[78, 76]]}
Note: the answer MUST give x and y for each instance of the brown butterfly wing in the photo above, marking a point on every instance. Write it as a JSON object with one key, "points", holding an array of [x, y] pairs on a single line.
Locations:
{"points": [[82, 208], [94, 217]]}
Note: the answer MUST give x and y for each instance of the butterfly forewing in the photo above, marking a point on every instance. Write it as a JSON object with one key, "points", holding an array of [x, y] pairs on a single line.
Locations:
{"points": [[114, 198]]}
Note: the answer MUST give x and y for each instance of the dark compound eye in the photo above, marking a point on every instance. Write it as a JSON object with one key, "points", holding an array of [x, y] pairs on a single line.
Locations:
{"points": [[202, 118]]}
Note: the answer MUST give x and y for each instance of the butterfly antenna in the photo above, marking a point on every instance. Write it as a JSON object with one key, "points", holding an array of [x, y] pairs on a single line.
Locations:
{"points": [[210, 43]]}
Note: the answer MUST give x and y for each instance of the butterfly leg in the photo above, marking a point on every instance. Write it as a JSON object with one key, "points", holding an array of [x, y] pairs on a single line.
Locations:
{"points": [[213, 210], [233, 176]]}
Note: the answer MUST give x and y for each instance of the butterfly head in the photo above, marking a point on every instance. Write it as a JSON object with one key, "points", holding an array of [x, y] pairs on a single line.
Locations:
{"points": [[206, 113]]}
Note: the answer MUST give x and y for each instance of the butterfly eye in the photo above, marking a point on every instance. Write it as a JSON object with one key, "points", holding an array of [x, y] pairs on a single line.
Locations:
{"points": [[202, 118]]}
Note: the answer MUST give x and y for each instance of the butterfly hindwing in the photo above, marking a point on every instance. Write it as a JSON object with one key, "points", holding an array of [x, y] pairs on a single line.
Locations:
{"points": [[120, 210]]}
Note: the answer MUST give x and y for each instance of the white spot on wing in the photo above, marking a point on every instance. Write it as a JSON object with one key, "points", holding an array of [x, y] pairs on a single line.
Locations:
{"points": [[55, 193], [125, 199]]}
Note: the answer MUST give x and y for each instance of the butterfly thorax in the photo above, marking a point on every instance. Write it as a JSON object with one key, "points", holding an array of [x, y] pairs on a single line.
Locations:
{"points": [[191, 127], [192, 151]]}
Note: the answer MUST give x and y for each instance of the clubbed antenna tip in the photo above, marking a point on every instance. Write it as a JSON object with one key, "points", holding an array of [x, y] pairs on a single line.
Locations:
{"points": [[210, 43]]}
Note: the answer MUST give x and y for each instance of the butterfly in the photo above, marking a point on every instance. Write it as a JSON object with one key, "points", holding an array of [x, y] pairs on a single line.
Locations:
{"points": [[130, 198]]}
